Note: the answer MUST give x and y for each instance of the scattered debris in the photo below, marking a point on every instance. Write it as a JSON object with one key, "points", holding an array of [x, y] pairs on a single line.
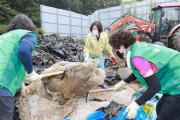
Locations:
{"points": [[112, 110]]}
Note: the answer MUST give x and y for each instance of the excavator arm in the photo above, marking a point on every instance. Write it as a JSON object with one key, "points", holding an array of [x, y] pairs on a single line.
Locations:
{"points": [[140, 24]]}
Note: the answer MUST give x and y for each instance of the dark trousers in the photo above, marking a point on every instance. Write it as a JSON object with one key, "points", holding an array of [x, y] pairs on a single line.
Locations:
{"points": [[168, 108], [6, 108]]}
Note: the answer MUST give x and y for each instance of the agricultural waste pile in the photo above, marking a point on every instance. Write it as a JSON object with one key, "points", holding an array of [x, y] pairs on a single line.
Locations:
{"points": [[54, 48]]}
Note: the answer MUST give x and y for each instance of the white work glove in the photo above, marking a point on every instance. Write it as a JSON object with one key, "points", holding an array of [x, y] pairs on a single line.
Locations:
{"points": [[119, 86], [24, 90], [32, 76], [132, 110], [86, 58]]}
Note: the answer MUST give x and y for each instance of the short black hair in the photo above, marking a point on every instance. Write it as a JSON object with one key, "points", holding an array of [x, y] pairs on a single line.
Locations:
{"points": [[98, 24]]}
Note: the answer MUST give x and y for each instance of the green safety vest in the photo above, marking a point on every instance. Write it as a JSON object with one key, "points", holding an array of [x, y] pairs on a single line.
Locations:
{"points": [[12, 71], [167, 62]]}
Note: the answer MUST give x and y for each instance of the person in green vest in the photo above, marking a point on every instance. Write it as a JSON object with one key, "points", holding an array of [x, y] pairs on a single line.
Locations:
{"points": [[16, 47], [154, 66]]}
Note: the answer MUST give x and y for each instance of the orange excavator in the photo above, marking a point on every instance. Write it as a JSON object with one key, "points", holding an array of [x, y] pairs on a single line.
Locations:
{"points": [[136, 23], [164, 25]]}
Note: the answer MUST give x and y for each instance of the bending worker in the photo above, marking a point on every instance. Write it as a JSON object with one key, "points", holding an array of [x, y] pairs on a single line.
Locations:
{"points": [[157, 68], [96, 41], [16, 46]]}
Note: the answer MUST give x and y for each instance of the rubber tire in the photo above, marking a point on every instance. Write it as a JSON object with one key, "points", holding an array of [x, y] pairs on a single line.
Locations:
{"points": [[176, 41]]}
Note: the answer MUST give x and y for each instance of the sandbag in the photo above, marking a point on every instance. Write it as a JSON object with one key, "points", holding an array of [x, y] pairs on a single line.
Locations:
{"points": [[56, 97]]}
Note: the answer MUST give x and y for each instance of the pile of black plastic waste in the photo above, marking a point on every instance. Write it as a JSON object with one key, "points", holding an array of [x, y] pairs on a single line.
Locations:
{"points": [[54, 48], [112, 76]]}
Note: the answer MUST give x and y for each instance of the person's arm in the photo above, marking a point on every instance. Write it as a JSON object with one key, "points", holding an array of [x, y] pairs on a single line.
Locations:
{"points": [[107, 45], [144, 68], [122, 84], [130, 78], [86, 48], [109, 48], [26, 47]]}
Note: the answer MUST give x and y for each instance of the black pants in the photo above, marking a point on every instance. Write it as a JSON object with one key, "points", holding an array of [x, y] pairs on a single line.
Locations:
{"points": [[168, 108], [6, 108]]}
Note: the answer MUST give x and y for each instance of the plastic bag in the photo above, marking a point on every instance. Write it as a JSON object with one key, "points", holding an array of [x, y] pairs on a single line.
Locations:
{"points": [[96, 116], [141, 115]]}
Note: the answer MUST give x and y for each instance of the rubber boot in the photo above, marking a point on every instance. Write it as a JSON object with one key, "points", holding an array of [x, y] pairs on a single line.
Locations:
{"points": [[104, 86]]}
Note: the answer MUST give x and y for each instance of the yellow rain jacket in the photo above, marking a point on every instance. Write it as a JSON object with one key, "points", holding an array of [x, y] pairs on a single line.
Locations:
{"points": [[94, 47]]}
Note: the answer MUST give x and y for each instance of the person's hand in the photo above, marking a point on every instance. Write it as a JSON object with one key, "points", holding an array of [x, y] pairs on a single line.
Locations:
{"points": [[113, 59], [32, 76], [24, 90], [119, 86], [132, 110], [86, 58]]}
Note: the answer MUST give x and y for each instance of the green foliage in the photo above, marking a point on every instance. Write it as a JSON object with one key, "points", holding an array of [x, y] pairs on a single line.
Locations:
{"points": [[128, 1], [6, 12], [129, 10], [153, 4], [40, 30], [3, 28], [85, 7], [82, 40], [31, 8]]}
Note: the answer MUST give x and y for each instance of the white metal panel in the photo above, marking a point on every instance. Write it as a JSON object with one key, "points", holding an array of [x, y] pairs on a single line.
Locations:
{"points": [[64, 20], [85, 17], [76, 21], [104, 10], [76, 30], [75, 15], [105, 22], [104, 16], [50, 27], [85, 23], [115, 14], [112, 20], [117, 8], [85, 31], [144, 3], [48, 9], [48, 17], [69, 22], [64, 29], [63, 34], [64, 12]]}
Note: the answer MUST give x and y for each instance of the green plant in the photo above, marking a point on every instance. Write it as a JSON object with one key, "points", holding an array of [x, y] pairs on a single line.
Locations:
{"points": [[40, 31], [82, 40], [3, 28]]}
